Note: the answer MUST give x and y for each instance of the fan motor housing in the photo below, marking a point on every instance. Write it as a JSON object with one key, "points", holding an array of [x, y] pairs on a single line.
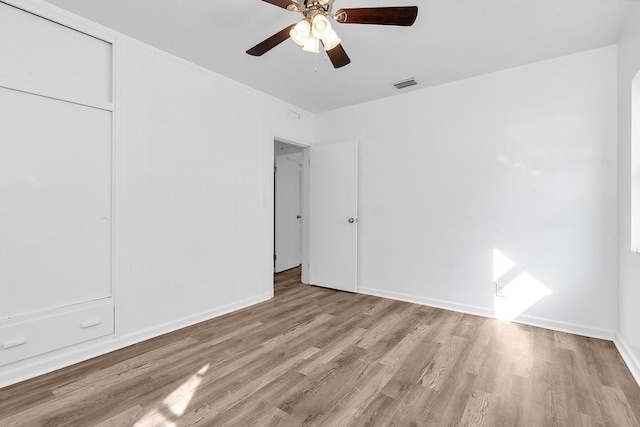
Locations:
{"points": [[313, 7]]}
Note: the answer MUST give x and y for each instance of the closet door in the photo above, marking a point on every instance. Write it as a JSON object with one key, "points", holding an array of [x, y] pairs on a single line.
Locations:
{"points": [[39, 55], [55, 166], [55, 203]]}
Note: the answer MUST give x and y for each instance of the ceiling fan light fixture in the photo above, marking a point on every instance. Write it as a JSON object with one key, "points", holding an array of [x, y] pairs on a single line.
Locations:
{"points": [[321, 27], [331, 40], [301, 32], [312, 45], [315, 27]]}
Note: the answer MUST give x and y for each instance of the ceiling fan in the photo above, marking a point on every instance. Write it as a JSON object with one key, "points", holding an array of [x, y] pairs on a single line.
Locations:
{"points": [[315, 29]]}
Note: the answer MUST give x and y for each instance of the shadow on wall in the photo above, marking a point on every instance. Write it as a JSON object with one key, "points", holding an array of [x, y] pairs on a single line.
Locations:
{"points": [[520, 290]]}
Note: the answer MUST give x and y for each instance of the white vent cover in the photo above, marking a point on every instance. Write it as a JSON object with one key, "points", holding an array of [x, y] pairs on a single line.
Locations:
{"points": [[405, 83]]}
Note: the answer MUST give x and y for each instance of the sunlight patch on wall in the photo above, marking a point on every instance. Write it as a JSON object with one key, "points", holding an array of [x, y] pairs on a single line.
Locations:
{"points": [[520, 166], [519, 293], [501, 264]]}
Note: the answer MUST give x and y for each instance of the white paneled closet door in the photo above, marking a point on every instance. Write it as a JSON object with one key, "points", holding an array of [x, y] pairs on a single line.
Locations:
{"points": [[55, 203], [55, 166], [41, 56]]}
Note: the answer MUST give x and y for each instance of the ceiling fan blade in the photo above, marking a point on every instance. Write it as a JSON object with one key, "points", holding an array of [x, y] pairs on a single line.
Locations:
{"points": [[401, 15], [285, 4], [273, 41], [338, 56]]}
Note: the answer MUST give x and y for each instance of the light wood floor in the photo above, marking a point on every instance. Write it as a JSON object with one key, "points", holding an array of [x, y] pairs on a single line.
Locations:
{"points": [[322, 357]]}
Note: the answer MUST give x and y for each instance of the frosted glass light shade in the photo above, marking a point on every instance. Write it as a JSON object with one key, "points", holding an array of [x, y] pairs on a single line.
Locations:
{"points": [[332, 40], [321, 27], [301, 32], [312, 45]]}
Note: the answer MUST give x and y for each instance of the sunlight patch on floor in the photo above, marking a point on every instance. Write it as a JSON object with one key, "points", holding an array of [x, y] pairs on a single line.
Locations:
{"points": [[177, 402], [179, 399], [154, 418]]}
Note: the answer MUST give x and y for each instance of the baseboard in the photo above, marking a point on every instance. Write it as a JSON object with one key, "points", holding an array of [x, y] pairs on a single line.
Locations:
{"points": [[571, 328], [446, 305], [629, 358], [63, 358]]}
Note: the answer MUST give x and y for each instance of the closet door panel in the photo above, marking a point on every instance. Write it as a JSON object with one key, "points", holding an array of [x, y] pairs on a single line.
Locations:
{"points": [[55, 203], [40, 55]]}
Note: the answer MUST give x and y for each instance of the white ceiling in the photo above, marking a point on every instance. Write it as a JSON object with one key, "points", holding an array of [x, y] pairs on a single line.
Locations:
{"points": [[451, 40]]}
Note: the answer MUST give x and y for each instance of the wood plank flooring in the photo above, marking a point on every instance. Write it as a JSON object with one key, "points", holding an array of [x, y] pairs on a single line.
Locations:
{"points": [[314, 356]]}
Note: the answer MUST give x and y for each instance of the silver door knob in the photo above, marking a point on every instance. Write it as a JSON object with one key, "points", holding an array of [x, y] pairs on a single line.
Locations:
{"points": [[351, 220]]}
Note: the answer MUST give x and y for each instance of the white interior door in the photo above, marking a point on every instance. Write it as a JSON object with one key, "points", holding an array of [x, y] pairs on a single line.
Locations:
{"points": [[333, 206], [287, 213]]}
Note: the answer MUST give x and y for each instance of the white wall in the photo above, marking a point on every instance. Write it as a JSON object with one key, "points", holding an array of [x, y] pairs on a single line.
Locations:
{"points": [[193, 195], [194, 190], [522, 161], [190, 196], [628, 337]]}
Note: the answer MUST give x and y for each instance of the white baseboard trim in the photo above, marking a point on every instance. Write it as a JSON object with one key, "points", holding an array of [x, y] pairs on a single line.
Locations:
{"points": [[446, 305], [555, 325], [63, 358], [570, 328], [629, 358]]}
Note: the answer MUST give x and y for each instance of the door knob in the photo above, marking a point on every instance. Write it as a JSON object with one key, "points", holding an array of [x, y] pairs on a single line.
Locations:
{"points": [[351, 220]]}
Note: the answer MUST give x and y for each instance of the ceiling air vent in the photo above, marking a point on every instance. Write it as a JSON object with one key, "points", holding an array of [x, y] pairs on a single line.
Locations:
{"points": [[405, 83]]}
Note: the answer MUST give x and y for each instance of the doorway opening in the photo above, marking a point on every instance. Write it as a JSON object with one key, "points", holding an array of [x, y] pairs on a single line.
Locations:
{"points": [[289, 219], [315, 213]]}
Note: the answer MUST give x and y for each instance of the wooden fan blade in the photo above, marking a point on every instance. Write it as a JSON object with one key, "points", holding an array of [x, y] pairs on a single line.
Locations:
{"points": [[285, 4], [338, 56], [401, 15], [273, 41]]}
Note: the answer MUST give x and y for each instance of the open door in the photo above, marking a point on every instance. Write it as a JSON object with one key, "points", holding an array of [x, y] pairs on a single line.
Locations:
{"points": [[333, 216], [287, 213]]}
